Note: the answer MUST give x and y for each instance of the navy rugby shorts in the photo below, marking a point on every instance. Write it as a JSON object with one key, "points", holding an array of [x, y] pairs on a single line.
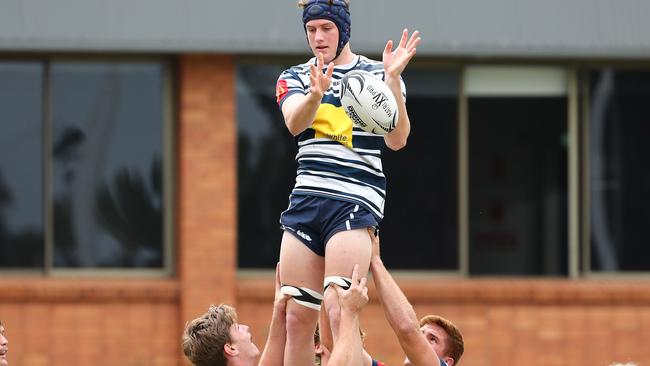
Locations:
{"points": [[314, 220]]}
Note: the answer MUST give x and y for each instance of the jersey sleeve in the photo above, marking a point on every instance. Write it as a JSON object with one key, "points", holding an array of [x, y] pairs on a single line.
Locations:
{"points": [[288, 84]]}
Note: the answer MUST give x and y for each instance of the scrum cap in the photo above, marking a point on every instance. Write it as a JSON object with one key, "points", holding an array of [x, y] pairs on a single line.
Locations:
{"points": [[335, 10]]}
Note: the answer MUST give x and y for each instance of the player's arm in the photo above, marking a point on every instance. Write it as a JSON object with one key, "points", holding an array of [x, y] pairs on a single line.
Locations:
{"points": [[326, 338], [348, 350], [395, 62], [400, 313], [300, 110], [273, 353]]}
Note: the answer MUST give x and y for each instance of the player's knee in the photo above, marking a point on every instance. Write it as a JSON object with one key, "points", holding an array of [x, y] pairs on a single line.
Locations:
{"points": [[300, 323], [331, 304]]}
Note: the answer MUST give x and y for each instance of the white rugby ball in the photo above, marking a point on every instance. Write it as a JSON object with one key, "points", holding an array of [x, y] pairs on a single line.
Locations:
{"points": [[368, 102]]}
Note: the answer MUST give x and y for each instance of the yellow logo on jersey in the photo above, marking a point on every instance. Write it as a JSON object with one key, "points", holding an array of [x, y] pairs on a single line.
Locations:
{"points": [[332, 122]]}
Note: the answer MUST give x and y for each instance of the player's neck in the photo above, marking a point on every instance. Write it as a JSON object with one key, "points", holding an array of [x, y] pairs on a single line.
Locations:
{"points": [[345, 57]]}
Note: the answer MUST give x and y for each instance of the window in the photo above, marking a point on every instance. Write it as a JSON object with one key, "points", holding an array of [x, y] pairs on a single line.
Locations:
{"points": [[266, 166], [517, 171], [619, 174], [420, 228], [90, 136], [21, 165]]}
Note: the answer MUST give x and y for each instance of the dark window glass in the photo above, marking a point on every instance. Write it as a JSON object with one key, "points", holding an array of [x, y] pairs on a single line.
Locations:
{"points": [[420, 227], [266, 166], [619, 164], [21, 165], [107, 164], [518, 185]]}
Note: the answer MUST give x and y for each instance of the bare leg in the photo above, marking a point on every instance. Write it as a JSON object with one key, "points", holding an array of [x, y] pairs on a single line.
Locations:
{"points": [[300, 267], [343, 251]]}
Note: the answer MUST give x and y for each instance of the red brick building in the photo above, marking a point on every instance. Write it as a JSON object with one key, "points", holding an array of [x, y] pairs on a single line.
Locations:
{"points": [[572, 309]]}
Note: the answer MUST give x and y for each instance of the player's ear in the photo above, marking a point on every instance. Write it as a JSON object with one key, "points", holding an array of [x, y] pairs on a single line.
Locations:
{"points": [[230, 350], [449, 361]]}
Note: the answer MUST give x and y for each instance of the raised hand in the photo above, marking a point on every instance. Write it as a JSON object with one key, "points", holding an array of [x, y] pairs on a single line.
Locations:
{"points": [[354, 298], [395, 61], [319, 81], [280, 300]]}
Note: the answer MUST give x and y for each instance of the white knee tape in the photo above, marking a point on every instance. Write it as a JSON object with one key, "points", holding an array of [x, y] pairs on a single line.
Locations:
{"points": [[303, 296], [342, 282]]}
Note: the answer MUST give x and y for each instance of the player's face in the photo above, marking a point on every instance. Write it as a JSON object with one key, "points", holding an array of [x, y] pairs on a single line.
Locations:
{"points": [[437, 339], [323, 37], [4, 347], [242, 339]]}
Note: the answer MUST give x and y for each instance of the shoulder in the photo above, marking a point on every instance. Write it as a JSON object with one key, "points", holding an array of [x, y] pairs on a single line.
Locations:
{"points": [[370, 65], [300, 68]]}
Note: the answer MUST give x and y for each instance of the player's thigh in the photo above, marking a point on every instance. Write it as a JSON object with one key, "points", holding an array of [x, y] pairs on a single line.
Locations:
{"points": [[345, 249], [299, 265]]}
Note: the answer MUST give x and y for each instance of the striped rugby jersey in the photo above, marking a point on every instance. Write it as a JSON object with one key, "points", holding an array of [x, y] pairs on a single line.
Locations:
{"points": [[335, 159]]}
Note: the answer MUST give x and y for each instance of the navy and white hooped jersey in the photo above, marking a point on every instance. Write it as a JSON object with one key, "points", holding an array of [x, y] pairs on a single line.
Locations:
{"points": [[336, 159]]}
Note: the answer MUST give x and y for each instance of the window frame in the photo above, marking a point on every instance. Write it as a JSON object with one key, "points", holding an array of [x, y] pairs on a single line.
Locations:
{"points": [[168, 148], [584, 255]]}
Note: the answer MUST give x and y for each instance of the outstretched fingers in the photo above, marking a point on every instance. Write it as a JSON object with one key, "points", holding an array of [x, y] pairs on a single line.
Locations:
{"points": [[330, 71], [355, 276], [413, 41], [313, 75], [320, 81], [277, 277], [402, 41], [355, 297], [389, 47], [359, 284]]}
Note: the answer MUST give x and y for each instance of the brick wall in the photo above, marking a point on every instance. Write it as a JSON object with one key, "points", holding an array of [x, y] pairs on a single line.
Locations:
{"points": [[207, 195], [90, 322], [139, 322]]}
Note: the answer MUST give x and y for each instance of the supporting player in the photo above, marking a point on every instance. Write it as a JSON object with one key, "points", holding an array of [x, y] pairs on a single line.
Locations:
{"points": [[340, 186], [4, 346], [216, 338], [432, 341]]}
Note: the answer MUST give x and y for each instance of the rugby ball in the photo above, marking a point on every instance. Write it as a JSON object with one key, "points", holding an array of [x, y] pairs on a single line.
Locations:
{"points": [[368, 102]]}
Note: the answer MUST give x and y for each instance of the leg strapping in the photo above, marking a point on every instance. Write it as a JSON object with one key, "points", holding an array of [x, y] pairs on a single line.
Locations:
{"points": [[342, 282], [303, 296]]}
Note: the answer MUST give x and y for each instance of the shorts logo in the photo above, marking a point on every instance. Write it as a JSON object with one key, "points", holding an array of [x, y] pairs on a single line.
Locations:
{"points": [[303, 235], [281, 90]]}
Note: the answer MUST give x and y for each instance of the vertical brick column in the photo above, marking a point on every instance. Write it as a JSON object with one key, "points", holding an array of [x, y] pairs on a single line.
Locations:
{"points": [[206, 191]]}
